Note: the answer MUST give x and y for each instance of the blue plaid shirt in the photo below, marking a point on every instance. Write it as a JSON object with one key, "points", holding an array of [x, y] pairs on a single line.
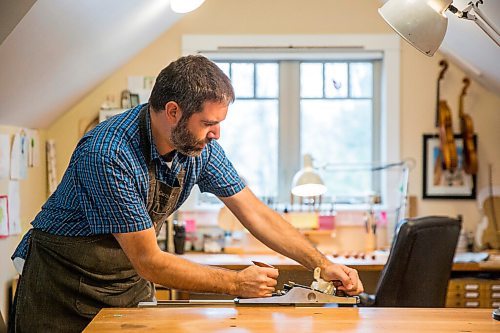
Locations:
{"points": [[105, 188]]}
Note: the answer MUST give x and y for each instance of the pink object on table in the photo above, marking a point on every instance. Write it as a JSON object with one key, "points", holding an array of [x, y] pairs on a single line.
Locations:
{"points": [[326, 222], [190, 225]]}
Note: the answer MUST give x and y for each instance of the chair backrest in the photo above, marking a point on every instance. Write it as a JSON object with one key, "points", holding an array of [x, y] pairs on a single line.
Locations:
{"points": [[419, 264]]}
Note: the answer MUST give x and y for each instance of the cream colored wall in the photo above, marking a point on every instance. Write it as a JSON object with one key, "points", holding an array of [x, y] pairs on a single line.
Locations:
{"points": [[419, 82], [418, 78], [33, 195]]}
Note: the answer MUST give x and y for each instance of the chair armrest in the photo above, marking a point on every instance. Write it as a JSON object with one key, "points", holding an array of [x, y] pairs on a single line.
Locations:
{"points": [[366, 299]]}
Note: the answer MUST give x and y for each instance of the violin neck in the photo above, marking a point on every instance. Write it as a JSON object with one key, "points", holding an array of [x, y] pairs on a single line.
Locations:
{"points": [[437, 105], [461, 106]]}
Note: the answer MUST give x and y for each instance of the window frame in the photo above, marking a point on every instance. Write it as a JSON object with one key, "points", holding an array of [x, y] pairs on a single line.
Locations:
{"points": [[318, 47]]}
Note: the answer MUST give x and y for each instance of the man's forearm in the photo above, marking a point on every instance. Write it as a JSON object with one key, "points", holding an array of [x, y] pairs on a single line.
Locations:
{"points": [[177, 273], [271, 229], [282, 237]]}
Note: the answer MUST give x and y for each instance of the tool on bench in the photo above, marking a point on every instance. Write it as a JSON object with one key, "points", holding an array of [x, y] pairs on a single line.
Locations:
{"points": [[320, 293]]}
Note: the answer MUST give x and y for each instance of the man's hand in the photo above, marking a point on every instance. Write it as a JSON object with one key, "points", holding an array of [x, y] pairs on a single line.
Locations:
{"points": [[351, 283], [256, 281]]}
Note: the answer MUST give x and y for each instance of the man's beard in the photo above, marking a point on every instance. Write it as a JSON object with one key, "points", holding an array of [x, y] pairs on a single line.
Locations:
{"points": [[185, 142]]}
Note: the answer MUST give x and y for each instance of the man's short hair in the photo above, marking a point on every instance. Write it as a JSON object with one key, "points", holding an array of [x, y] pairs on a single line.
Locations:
{"points": [[190, 81]]}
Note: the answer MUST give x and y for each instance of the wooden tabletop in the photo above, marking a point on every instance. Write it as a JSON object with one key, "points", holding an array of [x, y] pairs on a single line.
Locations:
{"points": [[293, 319]]}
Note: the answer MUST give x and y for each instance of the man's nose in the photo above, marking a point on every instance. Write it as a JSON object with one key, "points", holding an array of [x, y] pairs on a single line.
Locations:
{"points": [[214, 132]]}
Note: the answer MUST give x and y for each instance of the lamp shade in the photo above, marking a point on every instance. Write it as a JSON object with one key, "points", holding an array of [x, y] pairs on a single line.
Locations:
{"points": [[185, 6], [306, 182], [421, 23]]}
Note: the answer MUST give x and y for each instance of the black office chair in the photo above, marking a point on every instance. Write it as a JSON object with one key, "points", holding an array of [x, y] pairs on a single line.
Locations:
{"points": [[419, 264]]}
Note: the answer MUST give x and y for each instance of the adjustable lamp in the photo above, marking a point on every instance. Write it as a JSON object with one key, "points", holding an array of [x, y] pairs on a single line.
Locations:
{"points": [[185, 6], [306, 182], [422, 23]]}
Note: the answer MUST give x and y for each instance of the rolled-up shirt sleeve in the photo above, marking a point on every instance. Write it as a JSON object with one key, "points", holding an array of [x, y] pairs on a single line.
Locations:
{"points": [[219, 176]]}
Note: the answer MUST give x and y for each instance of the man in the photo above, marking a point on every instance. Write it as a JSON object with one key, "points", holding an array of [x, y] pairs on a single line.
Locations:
{"points": [[93, 244]]}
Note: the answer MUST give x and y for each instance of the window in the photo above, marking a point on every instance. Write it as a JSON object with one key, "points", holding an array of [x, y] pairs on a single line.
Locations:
{"points": [[333, 96], [336, 118], [249, 135]]}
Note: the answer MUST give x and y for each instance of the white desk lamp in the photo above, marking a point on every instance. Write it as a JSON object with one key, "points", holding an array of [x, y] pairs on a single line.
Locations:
{"points": [[423, 23], [307, 182]]}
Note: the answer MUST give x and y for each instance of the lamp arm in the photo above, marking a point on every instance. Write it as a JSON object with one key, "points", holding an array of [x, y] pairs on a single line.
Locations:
{"points": [[407, 162], [486, 20], [489, 31], [482, 21]]}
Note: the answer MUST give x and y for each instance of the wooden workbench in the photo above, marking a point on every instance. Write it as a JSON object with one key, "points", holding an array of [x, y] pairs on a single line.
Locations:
{"points": [[293, 319]]}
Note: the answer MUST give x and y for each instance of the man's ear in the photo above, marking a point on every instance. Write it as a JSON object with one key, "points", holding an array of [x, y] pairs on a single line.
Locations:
{"points": [[173, 112]]}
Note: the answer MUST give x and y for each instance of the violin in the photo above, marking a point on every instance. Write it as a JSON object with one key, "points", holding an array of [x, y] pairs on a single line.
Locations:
{"points": [[467, 132], [445, 127]]}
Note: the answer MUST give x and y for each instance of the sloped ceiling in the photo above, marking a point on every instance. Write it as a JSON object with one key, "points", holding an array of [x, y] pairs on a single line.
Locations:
{"points": [[61, 49], [471, 49]]}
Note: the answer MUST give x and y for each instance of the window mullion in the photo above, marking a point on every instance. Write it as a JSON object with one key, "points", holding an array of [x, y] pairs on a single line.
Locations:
{"points": [[377, 180], [289, 160]]}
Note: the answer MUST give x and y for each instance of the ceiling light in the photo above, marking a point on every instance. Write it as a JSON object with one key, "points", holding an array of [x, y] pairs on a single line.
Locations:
{"points": [[185, 6]]}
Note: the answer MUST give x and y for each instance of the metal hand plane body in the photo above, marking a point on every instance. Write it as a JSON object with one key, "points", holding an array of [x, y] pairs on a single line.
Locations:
{"points": [[296, 294]]}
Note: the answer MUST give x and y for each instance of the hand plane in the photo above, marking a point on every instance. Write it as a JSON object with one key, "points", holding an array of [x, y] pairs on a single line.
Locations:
{"points": [[320, 292], [296, 294]]}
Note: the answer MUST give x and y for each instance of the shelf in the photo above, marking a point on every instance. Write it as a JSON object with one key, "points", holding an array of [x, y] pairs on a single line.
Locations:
{"points": [[314, 232]]}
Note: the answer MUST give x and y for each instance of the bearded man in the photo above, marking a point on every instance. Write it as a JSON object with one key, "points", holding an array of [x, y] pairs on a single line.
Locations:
{"points": [[93, 244]]}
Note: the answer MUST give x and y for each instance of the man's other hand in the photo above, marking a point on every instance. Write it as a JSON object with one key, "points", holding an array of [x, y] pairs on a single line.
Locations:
{"points": [[349, 277], [255, 281]]}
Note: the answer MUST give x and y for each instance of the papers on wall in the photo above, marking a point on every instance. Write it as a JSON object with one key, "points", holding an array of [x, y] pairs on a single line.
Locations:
{"points": [[4, 156], [4, 216], [14, 208], [33, 148], [19, 156], [141, 85], [51, 165]]}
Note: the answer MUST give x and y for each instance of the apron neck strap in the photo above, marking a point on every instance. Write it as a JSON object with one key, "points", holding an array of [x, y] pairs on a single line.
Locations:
{"points": [[143, 130]]}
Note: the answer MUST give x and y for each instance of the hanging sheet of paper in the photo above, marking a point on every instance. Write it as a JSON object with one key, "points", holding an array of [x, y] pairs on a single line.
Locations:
{"points": [[4, 216], [4, 156], [19, 156], [14, 208], [51, 165], [141, 85], [33, 148]]}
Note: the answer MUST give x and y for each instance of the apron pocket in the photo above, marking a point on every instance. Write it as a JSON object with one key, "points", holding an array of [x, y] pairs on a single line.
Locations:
{"points": [[94, 295], [161, 197]]}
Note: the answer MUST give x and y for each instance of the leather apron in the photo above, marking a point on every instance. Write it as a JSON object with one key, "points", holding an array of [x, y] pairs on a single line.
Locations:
{"points": [[67, 280]]}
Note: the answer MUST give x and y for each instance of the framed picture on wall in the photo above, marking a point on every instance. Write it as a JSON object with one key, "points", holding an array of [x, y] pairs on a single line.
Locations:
{"points": [[134, 100], [443, 184]]}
